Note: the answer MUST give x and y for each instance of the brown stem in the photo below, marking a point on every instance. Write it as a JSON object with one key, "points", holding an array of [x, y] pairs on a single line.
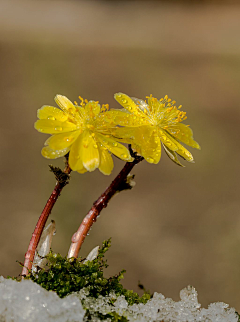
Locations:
{"points": [[102, 202], [61, 182]]}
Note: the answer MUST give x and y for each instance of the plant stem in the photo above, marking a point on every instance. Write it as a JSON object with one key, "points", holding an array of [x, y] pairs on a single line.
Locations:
{"points": [[102, 202], [62, 179]]}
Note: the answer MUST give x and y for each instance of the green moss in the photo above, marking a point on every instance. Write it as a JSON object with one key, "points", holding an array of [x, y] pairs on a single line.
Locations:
{"points": [[65, 276]]}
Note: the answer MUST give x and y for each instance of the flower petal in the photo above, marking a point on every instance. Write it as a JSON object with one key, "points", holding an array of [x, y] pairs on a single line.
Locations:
{"points": [[64, 103], [106, 161], [172, 155], [52, 127], [51, 113], [63, 140], [168, 140], [83, 170], [129, 105], [183, 152], [124, 134], [75, 160], [89, 152], [183, 133], [49, 153], [122, 117], [148, 143], [116, 148]]}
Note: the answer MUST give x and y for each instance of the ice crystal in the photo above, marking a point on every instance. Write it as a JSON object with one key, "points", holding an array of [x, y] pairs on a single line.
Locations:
{"points": [[27, 301]]}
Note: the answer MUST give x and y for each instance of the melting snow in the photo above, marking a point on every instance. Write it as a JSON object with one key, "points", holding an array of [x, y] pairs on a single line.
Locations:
{"points": [[27, 301]]}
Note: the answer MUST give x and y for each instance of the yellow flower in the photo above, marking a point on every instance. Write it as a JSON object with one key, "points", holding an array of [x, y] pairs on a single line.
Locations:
{"points": [[147, 124], [83, 131]]}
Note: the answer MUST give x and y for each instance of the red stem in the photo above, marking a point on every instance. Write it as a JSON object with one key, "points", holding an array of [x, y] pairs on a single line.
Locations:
{"points": [[29, 256], [102, 202]]}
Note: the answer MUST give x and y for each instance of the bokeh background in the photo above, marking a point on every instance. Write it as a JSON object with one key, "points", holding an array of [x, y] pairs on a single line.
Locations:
{"points": [[178, 226]]}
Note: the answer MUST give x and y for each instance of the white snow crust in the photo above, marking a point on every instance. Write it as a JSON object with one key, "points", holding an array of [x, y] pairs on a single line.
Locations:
{"points": [[27, 301]]}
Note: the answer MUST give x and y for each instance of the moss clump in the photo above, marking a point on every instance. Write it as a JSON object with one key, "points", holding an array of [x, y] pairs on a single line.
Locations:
{"points": [[65, 276]]}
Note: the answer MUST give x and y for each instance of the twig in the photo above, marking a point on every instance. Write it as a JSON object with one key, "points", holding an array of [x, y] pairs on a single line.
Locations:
{"points": [[102, 202], [62, 179]]}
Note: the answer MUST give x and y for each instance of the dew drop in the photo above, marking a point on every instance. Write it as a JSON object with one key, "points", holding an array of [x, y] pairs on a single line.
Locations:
{"points": [[115, 144], [52, 118], [124, 156], [68, 139], [95, 146], [58, 128], [150, 160], [124, 101]]}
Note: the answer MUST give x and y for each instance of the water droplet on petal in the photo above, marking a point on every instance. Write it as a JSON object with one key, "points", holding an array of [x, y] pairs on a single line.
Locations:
{"points": [[124, 156], [115, 144], [150, 160], [52, 118], [95, 146], [124, 101], [58, 128]]}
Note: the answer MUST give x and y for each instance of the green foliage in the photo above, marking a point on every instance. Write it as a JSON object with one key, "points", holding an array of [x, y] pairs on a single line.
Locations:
{"points": [[65, 276]]}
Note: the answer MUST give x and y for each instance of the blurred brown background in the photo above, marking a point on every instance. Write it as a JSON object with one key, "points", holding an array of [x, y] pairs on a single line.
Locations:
{"points": [[178, 226]]}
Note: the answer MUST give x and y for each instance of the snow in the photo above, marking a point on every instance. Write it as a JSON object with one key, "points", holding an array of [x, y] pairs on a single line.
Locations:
{"points": [[27, 301]]}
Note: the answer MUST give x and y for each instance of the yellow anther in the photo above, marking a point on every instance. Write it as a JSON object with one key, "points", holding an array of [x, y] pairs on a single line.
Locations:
{"points": [[82, 100], [169, 100], [86, 101], [169, 109], [150, 96], [105, 107], [161, 99], [179, 106], [75, 103], [166, 97]]}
